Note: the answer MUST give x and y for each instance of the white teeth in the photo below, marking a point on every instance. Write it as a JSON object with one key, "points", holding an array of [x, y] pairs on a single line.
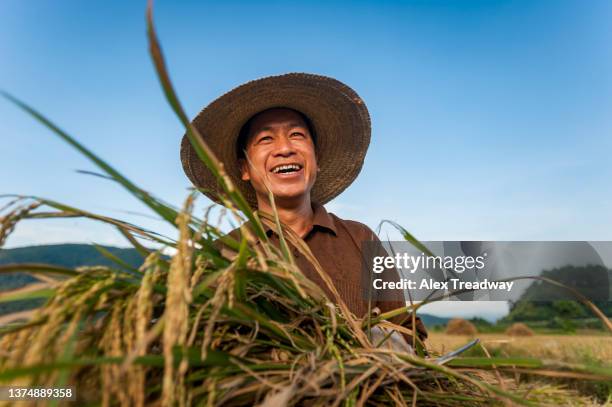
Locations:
{"points": [[280, 168]]}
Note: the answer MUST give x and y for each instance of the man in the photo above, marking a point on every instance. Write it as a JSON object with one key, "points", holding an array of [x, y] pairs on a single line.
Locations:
{"points": [[304, 138]]}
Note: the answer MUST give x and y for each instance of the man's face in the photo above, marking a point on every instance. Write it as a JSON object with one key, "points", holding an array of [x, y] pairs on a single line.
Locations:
{"points": [[280, 152]]}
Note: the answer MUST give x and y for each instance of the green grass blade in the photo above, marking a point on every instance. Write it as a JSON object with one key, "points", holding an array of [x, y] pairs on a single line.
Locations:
{"points": [[25, 294], [407, 236], [118, 261], [37, 268], [163, 210], [203, 151]]}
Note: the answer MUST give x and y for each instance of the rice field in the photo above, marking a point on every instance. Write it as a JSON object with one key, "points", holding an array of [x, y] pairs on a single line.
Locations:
{"points": [[593, 348], [204, 327], [566, 348]]}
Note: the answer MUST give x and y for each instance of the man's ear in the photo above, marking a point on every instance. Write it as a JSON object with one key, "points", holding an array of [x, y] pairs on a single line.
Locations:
{"points": [[244, 170]]}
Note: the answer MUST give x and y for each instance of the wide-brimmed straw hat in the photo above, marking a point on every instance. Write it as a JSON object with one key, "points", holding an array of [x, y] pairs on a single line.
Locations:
{"points": [[338, 116]]}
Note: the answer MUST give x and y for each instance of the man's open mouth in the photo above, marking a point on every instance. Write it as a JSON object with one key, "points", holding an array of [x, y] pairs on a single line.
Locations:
{"points": [[286, 168]]}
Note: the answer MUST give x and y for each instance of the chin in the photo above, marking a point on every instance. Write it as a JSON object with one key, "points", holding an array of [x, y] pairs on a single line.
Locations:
{"points": [[289, 195]]}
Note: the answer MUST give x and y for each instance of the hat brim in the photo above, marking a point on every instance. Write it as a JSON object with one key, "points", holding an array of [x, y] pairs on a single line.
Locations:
{"points": [[338, 115]]}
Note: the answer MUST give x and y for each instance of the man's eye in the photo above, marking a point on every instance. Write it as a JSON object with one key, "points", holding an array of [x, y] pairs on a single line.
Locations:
{"points": [[297, 134], [264, 139]]}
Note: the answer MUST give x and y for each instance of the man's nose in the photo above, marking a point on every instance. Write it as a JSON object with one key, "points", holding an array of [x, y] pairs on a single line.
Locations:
{"points": [[283, 146]]}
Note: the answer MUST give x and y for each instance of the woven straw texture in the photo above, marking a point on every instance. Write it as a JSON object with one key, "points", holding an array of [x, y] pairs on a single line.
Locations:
{"points": [[340, 119]]}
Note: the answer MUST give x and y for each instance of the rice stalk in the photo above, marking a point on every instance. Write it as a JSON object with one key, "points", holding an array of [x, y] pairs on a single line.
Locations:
{"points": [[8, 221]]}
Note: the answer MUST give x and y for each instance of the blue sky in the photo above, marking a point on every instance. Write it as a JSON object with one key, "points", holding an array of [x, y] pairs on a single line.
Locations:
{"points": [[491, 119]]}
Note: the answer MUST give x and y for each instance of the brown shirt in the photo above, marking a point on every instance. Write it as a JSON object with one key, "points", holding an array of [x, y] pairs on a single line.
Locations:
{"points": [[337, 245]]}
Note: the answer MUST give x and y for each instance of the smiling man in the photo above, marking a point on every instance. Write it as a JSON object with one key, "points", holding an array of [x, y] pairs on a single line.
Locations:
{"points": [[304, 138]]}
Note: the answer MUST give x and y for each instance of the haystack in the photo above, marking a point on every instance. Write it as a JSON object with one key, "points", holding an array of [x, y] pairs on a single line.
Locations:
{"points": [[519, 329], [460, 326]]}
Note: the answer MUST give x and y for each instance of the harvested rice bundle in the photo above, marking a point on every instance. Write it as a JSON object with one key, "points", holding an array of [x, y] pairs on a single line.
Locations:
{"points": [[519, 329], [458, 326], [199, 328]]}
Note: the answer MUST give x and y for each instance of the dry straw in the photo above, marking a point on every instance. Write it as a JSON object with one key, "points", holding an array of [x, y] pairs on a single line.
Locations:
{"points": [[458, 326], [519, 329]]}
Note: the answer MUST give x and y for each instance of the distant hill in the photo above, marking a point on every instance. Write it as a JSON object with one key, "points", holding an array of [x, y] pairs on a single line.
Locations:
{"points": [[563, 309], [432, 320], [65, 255]]}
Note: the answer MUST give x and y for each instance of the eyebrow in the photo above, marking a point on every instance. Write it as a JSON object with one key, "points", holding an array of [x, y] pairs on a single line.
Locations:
{"points": [[291, 125]]}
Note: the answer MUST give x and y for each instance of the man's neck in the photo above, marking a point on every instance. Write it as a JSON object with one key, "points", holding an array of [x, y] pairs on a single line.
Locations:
{"points": [[298, 216]]}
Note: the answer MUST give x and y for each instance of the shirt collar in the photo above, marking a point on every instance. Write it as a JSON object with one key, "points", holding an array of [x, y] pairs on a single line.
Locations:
{"points": [[321, 220]]}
